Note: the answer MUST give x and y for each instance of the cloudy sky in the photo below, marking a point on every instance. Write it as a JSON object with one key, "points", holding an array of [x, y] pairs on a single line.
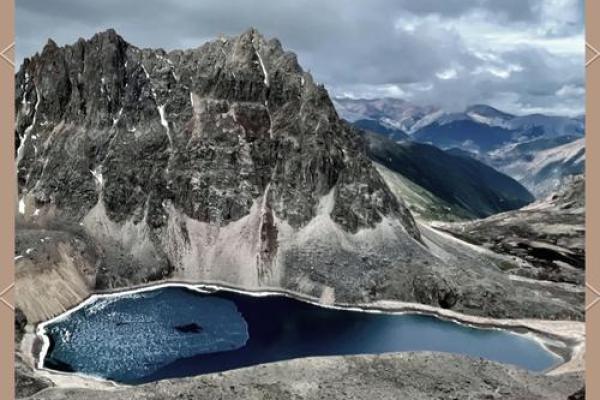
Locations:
{"points": [[521, 56]]}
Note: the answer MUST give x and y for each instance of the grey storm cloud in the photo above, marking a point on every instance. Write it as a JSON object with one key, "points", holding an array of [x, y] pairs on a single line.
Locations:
{"points": [[519, 55]]}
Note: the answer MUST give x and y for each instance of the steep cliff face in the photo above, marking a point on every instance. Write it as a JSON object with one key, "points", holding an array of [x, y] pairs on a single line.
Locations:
{"points": [[219, 162], [227, 163]]}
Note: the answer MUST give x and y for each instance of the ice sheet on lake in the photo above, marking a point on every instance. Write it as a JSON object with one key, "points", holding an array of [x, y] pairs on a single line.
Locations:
{"points": [[128, 338]]}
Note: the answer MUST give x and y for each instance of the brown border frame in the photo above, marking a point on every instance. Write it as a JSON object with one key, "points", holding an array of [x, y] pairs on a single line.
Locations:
{"points": [[8, 195], [7, 198]]}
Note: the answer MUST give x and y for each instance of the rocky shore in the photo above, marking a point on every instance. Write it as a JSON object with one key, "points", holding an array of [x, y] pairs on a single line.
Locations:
{"points": [[412, 376]]}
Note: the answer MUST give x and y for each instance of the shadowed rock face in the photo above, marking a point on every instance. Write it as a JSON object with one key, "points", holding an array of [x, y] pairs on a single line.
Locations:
{"points": [[227, 163], [462, 182], [580, 395], [183, 156], [209, 130]]}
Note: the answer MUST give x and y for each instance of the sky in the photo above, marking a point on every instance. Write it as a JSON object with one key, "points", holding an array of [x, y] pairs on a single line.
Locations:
{"points": [[522, 56]]}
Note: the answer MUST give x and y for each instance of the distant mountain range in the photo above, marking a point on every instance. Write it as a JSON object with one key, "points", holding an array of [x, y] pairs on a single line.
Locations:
{"points": [[528, 148], [464, 133], [372, 125], [541, 167], [392, 113], [433, 124]]}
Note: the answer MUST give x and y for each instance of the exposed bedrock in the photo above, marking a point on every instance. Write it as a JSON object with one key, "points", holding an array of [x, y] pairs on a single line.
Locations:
{"points": [[229, 163], [548, 234], [415, 376]]}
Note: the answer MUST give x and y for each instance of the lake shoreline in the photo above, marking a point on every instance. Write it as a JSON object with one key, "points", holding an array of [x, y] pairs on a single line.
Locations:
{"points": [[564, 339]]}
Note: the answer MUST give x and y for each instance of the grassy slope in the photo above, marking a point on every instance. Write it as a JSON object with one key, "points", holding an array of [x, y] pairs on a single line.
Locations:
{"points": [[420, 201], [462, 182]]}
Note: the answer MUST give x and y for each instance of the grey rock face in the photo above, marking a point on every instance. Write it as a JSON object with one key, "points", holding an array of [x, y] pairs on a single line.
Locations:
{"points": [[163, 154], [228, 164], [549, 234], [417, 376], [259, 126]]}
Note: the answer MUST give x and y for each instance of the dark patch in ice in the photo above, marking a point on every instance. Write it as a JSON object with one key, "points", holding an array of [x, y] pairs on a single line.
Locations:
{"points": [[189, 328]]}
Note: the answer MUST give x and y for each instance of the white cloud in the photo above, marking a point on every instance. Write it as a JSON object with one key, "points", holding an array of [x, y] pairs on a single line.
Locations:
{"points": [[570, 90], [449, 73], [500, 70]]}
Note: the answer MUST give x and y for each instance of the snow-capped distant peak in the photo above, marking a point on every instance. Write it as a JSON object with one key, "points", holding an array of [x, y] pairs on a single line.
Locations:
{"points": [[488, 120], [410, 118]]}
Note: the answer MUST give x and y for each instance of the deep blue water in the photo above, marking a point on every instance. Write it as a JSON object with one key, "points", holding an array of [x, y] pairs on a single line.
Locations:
{"points": [[175, 332]]}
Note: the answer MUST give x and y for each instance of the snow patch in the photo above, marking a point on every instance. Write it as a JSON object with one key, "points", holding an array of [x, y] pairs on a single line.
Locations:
{"points": [[264, 69], [22, 206], [116, 120], [98, 176], [105, 302], [486, 120], [21, 149], [146, 72], [161, 110], [164, 122]]}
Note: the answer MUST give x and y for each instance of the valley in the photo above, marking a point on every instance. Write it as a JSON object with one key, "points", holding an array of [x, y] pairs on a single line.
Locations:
{"points": [[540, 151]]}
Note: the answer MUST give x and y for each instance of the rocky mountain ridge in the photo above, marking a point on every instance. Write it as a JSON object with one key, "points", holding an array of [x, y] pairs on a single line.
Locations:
{"points": [[227, 163], [173, 104], [176, 158], [411, 118], [544, 170]]}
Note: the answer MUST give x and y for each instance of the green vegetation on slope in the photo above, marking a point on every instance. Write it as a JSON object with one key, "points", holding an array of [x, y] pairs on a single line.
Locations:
{"points": [[462, 182], [420, 201]]}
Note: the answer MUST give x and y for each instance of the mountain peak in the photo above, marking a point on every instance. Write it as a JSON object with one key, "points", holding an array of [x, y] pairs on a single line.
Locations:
{"points": [[49, 47], [253, 32], [230, 130], [230, 144], [487, 111], [107, 36], [109, 33]]}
